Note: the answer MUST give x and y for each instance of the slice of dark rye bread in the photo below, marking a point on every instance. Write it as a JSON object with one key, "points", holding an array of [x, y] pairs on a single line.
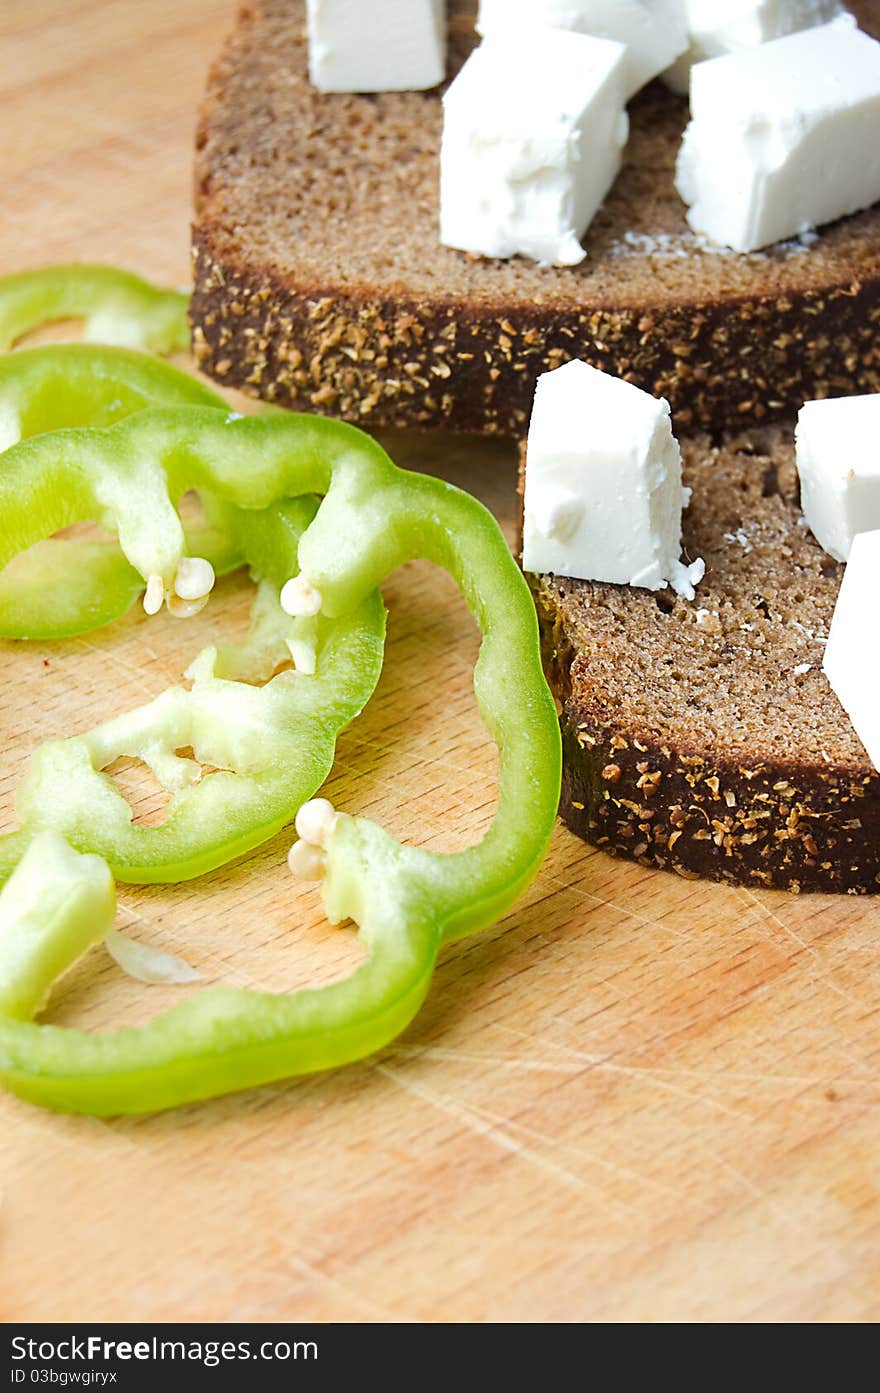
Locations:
{"points": [[320, 282], [692, 737]]}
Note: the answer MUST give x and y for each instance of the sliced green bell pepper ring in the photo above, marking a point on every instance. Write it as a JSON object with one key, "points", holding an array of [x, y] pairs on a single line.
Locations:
{"points": [[60, 385], [406, 902], [116, 307], [57, 589], [54, 906], [267, 748]]}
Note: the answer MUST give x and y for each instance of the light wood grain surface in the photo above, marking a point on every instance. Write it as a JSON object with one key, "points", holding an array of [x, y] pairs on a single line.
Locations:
{"points": [[638, 1097]]}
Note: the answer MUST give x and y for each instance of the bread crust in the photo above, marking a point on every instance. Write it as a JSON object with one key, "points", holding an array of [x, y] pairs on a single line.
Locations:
{"points": [[386, 350], [420, 363], [781, 824]]}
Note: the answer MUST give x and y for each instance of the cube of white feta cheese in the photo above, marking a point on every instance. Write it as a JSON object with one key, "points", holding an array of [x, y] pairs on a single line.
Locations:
{"points": [[838, 460], [603, 492], [376, 45], [716, 27], [654, 31], [852, 655], [783, 137], [533, 129]]}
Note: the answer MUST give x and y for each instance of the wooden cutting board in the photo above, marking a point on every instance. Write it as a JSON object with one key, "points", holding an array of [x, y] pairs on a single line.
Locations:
{"points": [[637, 1098]]}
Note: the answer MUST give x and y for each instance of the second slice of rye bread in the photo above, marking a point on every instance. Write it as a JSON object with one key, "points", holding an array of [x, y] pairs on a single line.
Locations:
{"points": [[693, 739]]}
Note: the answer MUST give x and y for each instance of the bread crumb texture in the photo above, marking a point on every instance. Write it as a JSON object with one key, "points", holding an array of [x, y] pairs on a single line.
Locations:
{"points": [[320, 282], [694, 737]]}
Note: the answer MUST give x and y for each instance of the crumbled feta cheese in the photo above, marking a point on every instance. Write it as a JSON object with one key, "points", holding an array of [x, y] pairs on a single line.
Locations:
{"points": [[603, 492], [852, 657], [716, 27], [383, 46], [534, 125], [740, 536], [654, 31], [838, 460], [783, 137]]}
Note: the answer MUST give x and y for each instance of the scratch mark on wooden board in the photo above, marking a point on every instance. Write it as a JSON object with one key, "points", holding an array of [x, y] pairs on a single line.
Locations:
{"points": [[608, 1065], [822, 974]]}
